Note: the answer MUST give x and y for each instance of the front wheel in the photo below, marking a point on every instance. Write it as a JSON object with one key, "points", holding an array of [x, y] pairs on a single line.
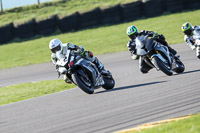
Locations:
{"points": [[83, 83], [109, 83], [156, 61]]}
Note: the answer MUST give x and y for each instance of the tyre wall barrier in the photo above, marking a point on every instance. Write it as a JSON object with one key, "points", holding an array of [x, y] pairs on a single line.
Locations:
{"points": [[111, 15], [152, 8], [192, 4], [90, 18], [47, 26], [25, 30], [6, 33], [131, 11], [174, 5], [97, 16], [68, 23]]}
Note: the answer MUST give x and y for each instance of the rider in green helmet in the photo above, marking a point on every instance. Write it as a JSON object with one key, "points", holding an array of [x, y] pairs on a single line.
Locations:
{"points": [[133, 33], [190, 32]]}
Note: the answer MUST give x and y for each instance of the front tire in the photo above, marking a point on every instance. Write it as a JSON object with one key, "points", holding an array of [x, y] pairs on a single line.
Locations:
{"points": [[77, 80], [156, 61]]}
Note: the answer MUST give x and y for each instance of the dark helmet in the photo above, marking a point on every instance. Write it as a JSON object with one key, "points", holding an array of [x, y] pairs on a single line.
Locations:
{"points": [[187, 28], [132, 32]]}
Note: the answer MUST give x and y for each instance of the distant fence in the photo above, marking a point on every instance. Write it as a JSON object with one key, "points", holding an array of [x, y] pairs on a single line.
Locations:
{"points": [[98, 16]]}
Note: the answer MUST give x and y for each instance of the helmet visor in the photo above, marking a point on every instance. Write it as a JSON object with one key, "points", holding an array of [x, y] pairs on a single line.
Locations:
{"points": [[54, 50], [188, 32], [133, 36]]}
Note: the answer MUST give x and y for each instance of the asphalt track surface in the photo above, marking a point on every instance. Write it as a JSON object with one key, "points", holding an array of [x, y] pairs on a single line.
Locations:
{"points": [[136, 99]]}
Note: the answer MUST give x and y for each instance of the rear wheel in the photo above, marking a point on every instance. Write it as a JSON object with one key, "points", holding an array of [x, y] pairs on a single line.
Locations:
{"points": [[83, 83], [164, 68], [109, 83], [180, 66]]}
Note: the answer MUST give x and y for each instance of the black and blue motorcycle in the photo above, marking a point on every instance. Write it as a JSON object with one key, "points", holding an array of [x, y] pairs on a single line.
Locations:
{"points": [[158, 56]]}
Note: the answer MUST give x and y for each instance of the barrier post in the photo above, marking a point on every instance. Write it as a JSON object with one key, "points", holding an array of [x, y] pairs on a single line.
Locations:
{"points": [[38, 2], [1, 5]]}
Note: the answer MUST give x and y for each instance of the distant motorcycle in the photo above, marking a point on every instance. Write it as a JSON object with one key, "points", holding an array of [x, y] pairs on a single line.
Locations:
{"points": [[85, 74], [158, 56], [196, 36]]}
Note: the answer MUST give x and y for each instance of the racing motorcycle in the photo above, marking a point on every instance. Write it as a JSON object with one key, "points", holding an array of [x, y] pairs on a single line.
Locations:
{"points": [[158, 56], [84, 73]]}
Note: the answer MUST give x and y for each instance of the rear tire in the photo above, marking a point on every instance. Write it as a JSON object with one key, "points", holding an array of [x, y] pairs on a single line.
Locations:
{"points": [[161, 66], [81, 85], [109, 83], [180, 67]]}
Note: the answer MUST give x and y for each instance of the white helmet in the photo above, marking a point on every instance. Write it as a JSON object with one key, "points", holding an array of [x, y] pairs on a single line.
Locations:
{"points": [[55, 45]]}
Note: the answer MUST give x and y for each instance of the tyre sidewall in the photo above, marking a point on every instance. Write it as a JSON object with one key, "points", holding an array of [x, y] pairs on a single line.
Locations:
{"points": [[81, 85], [156, 61]]}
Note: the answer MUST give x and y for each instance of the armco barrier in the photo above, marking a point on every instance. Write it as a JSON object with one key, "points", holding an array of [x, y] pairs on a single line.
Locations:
{"points": [[25, 30], [131, 11], [111, 15], [175, 5], [6, 33], [47, 26], [68, 23], [97, 16], [90, 18], [192, 4], [152, 8]]}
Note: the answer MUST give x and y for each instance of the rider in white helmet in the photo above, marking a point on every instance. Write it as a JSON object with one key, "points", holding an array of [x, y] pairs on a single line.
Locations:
{"points": [[59, 51]]}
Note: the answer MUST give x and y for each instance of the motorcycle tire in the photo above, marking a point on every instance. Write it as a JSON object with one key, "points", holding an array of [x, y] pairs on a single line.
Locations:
{"points": [[161, 66], [81, 85], [109, 83], [180, 67]]}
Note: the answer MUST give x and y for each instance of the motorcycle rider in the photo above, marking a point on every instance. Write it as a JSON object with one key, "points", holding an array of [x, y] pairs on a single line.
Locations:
{"points": [[189, 31], [59, 51], [133, 33]]}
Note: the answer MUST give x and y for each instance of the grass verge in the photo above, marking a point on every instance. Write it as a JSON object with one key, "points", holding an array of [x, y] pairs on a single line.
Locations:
{"points": [[60, 7], [187, 124], [25, 91], [100, 40]]}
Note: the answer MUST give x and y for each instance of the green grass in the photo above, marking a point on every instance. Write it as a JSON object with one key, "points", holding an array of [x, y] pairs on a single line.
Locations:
{"points": [[20, 92], [189, 125], [100, 40], [60, 7]]}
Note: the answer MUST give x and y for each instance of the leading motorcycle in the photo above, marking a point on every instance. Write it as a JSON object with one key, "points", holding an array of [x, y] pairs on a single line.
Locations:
{"points": [[158, 56], [84, 73]]}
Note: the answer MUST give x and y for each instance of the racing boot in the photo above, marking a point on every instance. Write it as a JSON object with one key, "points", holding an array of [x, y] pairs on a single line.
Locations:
{"points": [[100, 66], [68, 81]]}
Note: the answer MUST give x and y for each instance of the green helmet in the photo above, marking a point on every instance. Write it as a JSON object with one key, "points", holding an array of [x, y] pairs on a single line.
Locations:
{"points": [[187, 28], [132, 32]]}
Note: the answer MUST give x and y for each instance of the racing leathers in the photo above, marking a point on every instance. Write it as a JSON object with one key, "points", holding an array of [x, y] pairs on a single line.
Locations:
{"points": [[62, 55], [144, 68], [190, 40]]}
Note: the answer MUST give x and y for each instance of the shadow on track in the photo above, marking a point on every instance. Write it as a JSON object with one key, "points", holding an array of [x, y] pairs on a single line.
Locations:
{"points": [[192, 71], [130, 86]]}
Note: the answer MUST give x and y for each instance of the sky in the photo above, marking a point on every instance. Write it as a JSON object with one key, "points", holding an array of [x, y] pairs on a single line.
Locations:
{"points": [[17, 3]]}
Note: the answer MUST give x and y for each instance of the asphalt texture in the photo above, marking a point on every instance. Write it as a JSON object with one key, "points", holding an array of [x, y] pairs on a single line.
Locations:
{"points": [[136, 99]]}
